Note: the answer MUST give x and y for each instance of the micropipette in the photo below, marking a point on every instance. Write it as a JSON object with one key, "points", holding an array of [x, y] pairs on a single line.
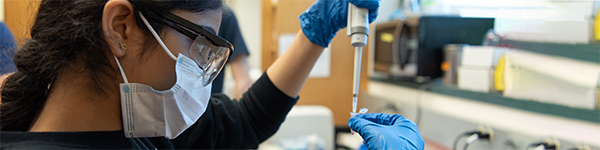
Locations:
{"points": [[358, 30]]}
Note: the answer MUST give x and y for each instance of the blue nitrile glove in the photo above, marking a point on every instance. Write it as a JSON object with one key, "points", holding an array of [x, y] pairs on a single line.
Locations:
{"points": [[383, 131], [321, 21]]}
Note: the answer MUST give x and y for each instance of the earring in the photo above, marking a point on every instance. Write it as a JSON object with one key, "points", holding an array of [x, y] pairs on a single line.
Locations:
{"points": [[120, 46]]}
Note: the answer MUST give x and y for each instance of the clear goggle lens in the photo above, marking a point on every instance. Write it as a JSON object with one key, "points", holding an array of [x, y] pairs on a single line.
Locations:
{"points": [[209, 57]]}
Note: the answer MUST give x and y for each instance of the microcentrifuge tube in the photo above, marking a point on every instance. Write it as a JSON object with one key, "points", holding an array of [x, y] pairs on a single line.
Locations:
{"points": [[361, 111]]}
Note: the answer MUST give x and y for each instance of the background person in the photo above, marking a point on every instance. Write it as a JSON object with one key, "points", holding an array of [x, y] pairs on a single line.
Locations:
{"points": [[8, 48], [238, 61]]}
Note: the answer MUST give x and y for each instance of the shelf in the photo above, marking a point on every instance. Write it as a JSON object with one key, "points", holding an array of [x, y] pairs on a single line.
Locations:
{"points": [[584, 52], [498, 99]]}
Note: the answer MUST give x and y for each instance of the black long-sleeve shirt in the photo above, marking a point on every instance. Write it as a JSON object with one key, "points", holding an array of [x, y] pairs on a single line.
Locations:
{"points": [[226, 124]]}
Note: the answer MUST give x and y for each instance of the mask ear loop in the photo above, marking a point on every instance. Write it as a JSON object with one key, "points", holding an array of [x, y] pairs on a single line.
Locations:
{"points": [[121, 68], [156, 36]]}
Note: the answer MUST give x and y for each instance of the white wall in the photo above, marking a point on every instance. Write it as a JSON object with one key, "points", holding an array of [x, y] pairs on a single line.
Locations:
{"points": [[1, 10], [249, 16], [386, 9]]}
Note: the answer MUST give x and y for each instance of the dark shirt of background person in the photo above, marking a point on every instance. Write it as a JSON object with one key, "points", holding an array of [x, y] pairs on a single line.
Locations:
{"points": [[7, 50], [229, 30]]}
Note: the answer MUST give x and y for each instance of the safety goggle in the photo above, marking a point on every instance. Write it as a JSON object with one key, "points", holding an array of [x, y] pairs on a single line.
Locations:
{"points": [[208, 49]]}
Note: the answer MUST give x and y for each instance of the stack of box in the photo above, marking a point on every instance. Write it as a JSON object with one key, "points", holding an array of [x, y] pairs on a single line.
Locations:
{"points": [[477, 67]]}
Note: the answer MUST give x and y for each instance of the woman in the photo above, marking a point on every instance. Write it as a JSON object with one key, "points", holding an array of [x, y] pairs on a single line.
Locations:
{"points": [[137, 75]]}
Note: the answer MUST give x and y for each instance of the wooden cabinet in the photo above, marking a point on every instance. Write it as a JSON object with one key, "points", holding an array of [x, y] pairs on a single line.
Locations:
{"points": [[19, 16]]}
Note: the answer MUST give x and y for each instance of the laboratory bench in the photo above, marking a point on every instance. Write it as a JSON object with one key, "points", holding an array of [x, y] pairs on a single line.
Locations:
{"points": [[444, 112]]}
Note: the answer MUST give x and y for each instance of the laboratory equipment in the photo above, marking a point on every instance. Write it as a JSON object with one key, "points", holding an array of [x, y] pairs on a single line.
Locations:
{"points": [[547, 144], [452, 57], [302, 123], [435, 32], [415, 49], [482, 133], [394, 37], [358, 30]]}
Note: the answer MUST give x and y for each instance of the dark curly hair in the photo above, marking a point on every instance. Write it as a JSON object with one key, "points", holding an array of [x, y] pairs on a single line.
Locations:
{"points": [[64, 30]]}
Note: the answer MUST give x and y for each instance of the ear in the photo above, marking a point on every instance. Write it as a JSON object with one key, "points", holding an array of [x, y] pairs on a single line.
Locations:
{"points": [[118, 22]]}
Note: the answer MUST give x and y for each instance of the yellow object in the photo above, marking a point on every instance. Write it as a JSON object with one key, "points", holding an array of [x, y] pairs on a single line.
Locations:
{"points": [[387, 37], [499, 74], [597, 25]]}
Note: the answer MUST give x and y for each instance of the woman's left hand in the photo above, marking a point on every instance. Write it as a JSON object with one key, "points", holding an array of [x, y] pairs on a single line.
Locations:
{"points": [[383, 131]]}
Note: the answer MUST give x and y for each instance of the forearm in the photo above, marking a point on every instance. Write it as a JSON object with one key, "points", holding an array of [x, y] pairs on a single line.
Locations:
{"points": [[240, 70], [290, 71]]}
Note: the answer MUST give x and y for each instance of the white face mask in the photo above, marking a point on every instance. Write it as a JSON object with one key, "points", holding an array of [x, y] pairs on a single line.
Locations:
{"points": [[150, 113]]}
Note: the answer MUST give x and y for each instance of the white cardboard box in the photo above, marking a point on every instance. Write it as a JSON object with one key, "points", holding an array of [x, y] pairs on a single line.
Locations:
{"points": [[551, 79], [478, 56], [474, 78]]}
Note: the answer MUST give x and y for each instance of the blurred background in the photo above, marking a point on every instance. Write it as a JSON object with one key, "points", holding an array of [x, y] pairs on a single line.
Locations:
{"points": [[525, 72]]}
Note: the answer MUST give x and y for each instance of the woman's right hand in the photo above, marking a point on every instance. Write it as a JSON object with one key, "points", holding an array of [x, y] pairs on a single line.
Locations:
{"points": [[319, 24], [321, 21]]}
